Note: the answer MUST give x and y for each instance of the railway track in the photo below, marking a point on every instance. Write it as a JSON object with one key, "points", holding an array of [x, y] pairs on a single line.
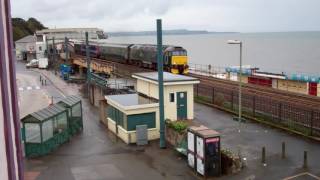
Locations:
{"points": [[275, 94], [125, 70]]}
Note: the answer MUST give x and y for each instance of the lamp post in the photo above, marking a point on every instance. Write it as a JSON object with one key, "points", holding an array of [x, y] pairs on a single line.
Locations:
{"points": [[88, 64], [240, 77], [160, 83]]}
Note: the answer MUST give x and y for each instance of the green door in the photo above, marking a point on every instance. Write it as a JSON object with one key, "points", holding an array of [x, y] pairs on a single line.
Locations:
{"points": [[182, 107]]}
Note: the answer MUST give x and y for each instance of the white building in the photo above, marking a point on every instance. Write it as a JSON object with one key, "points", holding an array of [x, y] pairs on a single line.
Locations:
{"points": [[126, 111], [59, 35], [26, 48]]}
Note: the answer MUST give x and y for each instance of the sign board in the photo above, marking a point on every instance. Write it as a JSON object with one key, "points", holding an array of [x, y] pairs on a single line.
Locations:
{"points": [[200, 166], [191, 141], [142, 135], [200, 147], [191, 160]]}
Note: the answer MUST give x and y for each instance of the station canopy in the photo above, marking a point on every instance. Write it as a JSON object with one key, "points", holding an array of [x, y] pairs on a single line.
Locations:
{"points": [[43, 114], [70, 100]]}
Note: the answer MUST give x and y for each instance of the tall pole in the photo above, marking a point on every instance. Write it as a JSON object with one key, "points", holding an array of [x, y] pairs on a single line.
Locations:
{"points": [[160, 83], [54, 55], [88, 64], [66, 48], [240, 86], [47, 46], [53, 50]]}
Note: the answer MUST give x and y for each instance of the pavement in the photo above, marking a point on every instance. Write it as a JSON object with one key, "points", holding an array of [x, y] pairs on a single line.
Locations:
{"points": [[97, 154], [250, 140]]}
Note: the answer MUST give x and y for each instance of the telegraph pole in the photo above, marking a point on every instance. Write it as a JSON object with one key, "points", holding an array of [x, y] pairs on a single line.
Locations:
{"points": [[66, 51], [88, 64], [160, 83]]}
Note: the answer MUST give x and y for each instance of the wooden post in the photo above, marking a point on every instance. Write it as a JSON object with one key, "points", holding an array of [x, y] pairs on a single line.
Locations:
{"points": [[254, 106], [197, 90], [212, 95], [311, 123], [232, 101], [263, 158], [305, 159], [280, 112], [283, 150]]}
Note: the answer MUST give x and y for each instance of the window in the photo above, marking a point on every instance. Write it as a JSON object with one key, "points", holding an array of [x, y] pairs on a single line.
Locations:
{"points": [[40, 48], [171, 97]]}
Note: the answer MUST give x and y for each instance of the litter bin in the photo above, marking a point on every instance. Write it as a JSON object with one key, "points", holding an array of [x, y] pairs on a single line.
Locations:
{"points": [[208, 153], [191, 152]]}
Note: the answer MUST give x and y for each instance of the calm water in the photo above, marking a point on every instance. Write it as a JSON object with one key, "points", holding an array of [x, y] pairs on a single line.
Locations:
{"points": [[277, 52]]}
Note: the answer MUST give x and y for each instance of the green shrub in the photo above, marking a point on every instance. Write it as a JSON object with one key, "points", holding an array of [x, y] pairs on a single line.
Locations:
{"points": [[178, 126]]}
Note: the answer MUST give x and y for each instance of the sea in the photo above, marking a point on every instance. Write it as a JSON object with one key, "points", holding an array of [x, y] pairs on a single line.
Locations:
{"points": [[289, 52]]}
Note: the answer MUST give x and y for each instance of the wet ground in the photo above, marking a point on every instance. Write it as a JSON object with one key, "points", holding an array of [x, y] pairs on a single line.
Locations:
{"points": [[98, 154], [250, 140], [95, 153]]}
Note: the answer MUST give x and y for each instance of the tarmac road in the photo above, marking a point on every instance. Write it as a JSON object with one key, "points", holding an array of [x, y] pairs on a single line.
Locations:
{"points": [[252, 138], [94, 154], [98, 154]]}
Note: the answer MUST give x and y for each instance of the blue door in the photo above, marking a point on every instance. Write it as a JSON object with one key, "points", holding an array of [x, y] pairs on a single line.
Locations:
{"points": [[182, 108]]}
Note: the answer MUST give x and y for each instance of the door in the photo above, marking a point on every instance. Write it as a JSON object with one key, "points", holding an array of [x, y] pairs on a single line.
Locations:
{"points": [[313, 88], [182, 105]]}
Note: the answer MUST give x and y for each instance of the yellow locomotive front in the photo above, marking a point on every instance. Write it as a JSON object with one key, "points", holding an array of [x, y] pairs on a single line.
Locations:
{"points": [[177, 60]]}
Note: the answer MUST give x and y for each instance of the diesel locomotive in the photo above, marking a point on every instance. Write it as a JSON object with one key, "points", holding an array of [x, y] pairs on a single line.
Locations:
{"points": [[175, 58]]}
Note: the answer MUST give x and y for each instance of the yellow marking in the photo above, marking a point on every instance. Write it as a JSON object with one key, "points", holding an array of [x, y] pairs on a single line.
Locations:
{"points": [[302, 174], [176, 60]]}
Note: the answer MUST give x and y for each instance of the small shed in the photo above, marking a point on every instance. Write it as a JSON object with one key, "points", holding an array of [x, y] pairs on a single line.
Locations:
{"points": [[127, 111], [74, 106], [45, 130], [178, 92], [26, 48]]}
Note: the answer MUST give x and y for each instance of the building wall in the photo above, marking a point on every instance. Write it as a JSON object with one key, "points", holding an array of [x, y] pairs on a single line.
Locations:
{"points": [[10, 153], [131, 136], [293, 86], [24, 47], [170, 108], [244, 79]]}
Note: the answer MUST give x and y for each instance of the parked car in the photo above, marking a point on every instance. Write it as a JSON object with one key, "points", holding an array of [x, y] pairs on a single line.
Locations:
{"points": [[33, 63]]}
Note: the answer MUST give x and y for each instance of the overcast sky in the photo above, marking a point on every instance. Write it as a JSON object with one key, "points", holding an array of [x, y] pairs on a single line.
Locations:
{"points": [[212, 15]]}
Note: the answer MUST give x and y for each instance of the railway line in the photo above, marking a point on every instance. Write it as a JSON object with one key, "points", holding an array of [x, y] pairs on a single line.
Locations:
{"points": [[274, 94], [125, 70]]}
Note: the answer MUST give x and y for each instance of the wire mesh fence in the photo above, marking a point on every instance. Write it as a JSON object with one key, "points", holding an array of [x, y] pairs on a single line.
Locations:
{"points": [[281, 113]]}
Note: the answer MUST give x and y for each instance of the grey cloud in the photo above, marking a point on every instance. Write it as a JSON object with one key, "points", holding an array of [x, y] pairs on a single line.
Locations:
{"points": [[219, 15]]}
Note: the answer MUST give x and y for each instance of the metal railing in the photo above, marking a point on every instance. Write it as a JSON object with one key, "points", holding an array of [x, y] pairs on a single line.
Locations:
{"points": [[301, 118]]}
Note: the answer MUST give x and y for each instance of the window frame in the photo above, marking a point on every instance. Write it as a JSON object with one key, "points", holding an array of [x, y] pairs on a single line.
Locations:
{"points": [[172, 97]]}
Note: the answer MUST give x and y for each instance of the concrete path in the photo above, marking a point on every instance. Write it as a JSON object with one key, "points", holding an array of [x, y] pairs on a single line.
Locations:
{"points": [[96, 154], [252, 138]]}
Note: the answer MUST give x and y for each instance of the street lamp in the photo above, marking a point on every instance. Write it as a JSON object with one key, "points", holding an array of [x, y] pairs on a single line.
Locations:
{"points": [[240, 76]]}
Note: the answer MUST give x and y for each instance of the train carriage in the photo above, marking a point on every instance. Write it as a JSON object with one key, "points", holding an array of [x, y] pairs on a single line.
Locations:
{"points": [[144, 55], [115, 52]]}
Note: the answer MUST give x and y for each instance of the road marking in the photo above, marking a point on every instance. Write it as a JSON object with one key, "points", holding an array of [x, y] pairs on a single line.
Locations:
{"points": [[302, 174], [29, 88]]}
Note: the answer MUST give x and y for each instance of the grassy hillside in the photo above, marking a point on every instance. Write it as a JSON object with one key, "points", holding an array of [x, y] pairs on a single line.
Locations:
{"points": [[22, 28]]}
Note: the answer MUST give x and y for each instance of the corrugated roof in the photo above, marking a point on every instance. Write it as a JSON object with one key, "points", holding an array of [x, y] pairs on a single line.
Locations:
{"points": [[44, 114], [27, 39], [70, 100]]}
